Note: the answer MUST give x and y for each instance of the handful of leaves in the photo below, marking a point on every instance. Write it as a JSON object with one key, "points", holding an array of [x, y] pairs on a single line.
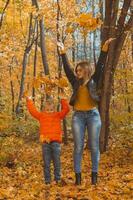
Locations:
{"points": [[85, 22], [49, 84]]}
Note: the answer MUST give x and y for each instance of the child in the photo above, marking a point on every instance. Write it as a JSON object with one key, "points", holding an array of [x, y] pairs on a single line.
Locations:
{"points": [[50, 134]]}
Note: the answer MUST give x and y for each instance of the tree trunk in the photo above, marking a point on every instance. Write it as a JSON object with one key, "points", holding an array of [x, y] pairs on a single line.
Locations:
{"points": [[110, 30], [42, 40], [94, 49], [34, 64], [73, 49], [12, 92], [65, 139], [132, 29], [85, 49], [3, 12], [132, 44], [24, 63], [43, 47]]}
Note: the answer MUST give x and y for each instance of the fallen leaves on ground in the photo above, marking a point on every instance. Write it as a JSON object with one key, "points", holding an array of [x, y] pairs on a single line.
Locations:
{"points": [[24, 180]]}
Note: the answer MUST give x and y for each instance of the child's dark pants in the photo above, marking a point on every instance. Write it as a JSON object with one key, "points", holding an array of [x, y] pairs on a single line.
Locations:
{"points": [[51, 152]]}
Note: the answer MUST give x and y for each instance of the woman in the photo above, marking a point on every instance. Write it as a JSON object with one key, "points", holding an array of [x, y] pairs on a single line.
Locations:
{"points": [[86, 115]]}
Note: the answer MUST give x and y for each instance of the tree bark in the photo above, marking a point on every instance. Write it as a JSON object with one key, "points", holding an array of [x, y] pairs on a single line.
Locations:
{"points": [[65, 139], [2, 14], [42, 40], [110, 30], [107, 20], [35, 63], [28, 47], [132, 29], [12, 91], [43, 47]]}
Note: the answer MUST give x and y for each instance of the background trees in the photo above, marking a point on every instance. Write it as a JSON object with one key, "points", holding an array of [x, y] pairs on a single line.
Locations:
{"points": [[29, 62], [29, 31], [117, 24]]}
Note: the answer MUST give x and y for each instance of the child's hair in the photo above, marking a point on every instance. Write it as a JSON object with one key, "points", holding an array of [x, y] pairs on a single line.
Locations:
{"points": [[84, 64], [49, 100]]}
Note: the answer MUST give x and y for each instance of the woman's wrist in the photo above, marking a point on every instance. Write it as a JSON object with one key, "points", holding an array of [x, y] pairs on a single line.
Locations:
{"points": [[105, 47], [62, 51], [106, 44]]}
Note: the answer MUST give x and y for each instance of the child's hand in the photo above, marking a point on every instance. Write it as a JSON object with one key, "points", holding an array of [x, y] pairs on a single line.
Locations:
{"points": [[61, 45], [41, 138], [62, 95], [25, 94], [30, 97]]}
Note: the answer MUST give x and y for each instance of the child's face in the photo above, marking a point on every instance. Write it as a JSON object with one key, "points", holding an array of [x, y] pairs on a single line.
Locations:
{"points": [[49, 107]]}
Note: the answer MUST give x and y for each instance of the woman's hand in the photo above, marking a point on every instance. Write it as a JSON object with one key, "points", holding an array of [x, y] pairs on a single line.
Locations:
{"points": [[107, 43], [61, 47]]}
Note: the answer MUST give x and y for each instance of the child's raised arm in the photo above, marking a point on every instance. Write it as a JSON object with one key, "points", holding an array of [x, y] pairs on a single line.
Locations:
{"points": [[64, 108], [32, 109]]}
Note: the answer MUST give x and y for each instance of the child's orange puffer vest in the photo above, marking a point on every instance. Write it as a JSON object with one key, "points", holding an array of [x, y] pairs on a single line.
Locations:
{"points": [[50, 123]]}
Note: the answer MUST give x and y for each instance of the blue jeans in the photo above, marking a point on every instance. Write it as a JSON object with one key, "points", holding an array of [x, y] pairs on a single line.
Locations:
{"points": [[92, 121], [51, 152]]}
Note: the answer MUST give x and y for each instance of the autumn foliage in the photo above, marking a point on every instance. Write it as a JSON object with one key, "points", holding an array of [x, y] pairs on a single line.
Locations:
{"points": [[79, 26]]}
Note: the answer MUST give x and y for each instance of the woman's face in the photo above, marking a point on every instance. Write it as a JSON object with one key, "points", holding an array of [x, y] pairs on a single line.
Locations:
{"points": [[82, 72]]}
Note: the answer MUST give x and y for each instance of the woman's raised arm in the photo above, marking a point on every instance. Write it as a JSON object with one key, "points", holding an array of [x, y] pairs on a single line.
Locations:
{"points": [[67, 68], [101, 61]]}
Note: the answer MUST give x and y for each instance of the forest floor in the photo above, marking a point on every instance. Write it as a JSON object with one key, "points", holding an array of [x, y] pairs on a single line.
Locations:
{"points": [[21, 174]]}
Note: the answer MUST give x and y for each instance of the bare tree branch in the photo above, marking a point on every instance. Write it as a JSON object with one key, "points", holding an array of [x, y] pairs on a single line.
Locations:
{"points": [[123, 14], [2, 15], [106, 26], [129, 24]]}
